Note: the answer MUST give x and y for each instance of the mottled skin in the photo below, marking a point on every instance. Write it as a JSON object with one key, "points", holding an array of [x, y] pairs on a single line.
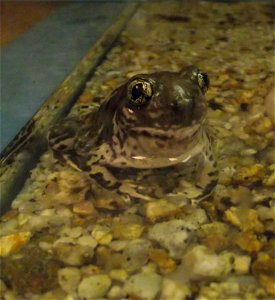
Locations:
{"points": [[152, 128]]}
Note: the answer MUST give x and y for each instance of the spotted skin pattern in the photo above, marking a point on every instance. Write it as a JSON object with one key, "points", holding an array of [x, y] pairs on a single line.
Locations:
{"points": [[147, 141]]}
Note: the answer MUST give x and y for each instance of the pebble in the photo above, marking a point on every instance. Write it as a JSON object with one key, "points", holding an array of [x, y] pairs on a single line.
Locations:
{"points": [[160, 209], [119, 275], [150, 267], [53, 294], [241, 195], [241, 264], [247, 152], [9, 227], [69, 278], [228, 126], [116, 292], [270, 180], [13, 243], [87, 240], [200, 262], [215, 236], [90, 270], [225, 176], [174, 290], [230, 109], [85, 208], [73, 255], [249, 242], [118, 245], [65, 240], [136, 254], [266, 213], [45, 246], [162, 259], [249, 175], [264, 270], [260, 125], [174, 235], [72, 232], [270, 104], [102, 234], [23, 219], [233, 288], [94, 287], [247, 221], [129, 231], [143, 285]]}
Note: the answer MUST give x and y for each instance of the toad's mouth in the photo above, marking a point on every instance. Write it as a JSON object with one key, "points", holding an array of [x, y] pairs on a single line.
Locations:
{"points": [[171, 132]]}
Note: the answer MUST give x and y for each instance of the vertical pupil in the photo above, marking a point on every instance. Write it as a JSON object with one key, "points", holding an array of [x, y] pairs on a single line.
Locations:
{"points": [[137, 91]]}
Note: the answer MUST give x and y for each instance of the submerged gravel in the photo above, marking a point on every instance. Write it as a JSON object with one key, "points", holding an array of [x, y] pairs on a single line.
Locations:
{"points": [[57, 243]]}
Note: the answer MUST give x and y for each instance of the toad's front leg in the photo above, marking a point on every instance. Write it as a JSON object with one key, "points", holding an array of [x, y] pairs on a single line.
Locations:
{"points": [[202, 184], [102, 175], [125, 189], [131, 190], [207, 175]]}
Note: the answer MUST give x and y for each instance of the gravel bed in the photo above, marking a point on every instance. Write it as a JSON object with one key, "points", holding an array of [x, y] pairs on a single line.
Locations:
{"points": [[56, 242]]}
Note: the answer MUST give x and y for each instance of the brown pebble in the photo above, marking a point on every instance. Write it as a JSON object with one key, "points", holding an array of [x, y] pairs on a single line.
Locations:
{"points": [[84, 208]]}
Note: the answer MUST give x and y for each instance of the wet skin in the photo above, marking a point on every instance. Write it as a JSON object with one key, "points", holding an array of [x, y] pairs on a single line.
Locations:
{"points": [[153, 124]]}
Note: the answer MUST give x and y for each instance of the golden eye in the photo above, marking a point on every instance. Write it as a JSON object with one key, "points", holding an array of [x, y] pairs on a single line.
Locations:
{"points": [[203, 81], [140, 91]]}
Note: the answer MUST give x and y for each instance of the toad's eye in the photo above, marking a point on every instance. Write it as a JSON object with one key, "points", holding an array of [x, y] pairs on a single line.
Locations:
{"points": [[140, 91], [203, 81]]}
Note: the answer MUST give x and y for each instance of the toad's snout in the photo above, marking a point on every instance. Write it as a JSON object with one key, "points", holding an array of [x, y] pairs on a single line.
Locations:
{"points": [[175, 106], [180, 107]]}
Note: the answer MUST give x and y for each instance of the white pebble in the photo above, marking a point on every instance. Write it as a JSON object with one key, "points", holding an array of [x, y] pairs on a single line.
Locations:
{"points": [[87, 240], [116, 292], [69, 278], [66, 240], [174, 290], [175, 234], [247, 152], [73, 232], [227, 126], [94, 287], [143, 285], [200, 262], [45, 246]]}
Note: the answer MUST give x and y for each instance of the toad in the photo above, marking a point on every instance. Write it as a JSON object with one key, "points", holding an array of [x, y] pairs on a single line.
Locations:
{"points": [[147, 141]]}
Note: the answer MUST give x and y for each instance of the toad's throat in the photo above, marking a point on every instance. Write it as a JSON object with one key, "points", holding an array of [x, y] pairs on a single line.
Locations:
{"points": [[145, 153], [171, 133], [146, 150]]}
